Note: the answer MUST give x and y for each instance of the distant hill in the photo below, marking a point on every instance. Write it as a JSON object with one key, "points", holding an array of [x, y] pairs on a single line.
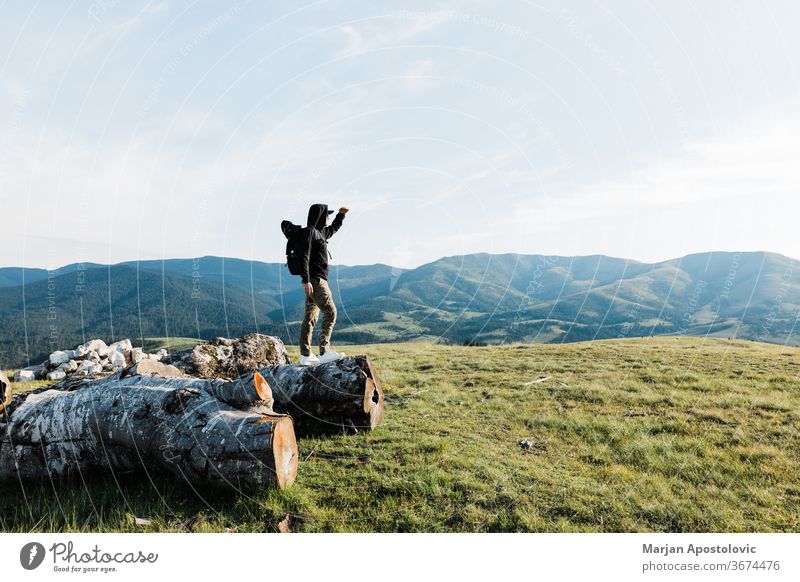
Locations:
{"points": [[13, 276], [479, 297]]}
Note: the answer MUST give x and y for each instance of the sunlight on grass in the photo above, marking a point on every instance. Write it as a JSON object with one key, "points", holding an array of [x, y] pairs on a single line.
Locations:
{"points": [[664, 434]]}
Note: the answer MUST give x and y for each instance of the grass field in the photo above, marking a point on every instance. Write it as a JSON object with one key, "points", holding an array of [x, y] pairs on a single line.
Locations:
{"points": [[171, 344], [662, 434]]}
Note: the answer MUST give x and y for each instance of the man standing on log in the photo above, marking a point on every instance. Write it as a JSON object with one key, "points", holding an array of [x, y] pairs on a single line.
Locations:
{"points": [[312, 266]]}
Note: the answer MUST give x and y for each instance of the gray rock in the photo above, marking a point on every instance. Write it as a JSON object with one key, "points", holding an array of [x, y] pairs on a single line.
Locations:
{"points": [[56, 375], [24, 376], [69, 367], [121, 346], [137, 355], [78, 353], [96, 345], [229, 358], [88, 368], [117, 360], [39, 371], [58, 358], [152, 368]]}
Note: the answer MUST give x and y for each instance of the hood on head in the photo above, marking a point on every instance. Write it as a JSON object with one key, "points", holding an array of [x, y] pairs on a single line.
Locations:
{"points": [[318, 215]]}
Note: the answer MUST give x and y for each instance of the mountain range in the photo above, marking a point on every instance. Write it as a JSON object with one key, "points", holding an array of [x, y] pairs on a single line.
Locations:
{"points": [[477, 298]]}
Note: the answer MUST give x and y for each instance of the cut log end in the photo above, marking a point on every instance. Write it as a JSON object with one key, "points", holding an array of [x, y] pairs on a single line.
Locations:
{"points": [[262, 387], [373, 394], [5, 392], [373, 403], [345, 392], [284, 449]]}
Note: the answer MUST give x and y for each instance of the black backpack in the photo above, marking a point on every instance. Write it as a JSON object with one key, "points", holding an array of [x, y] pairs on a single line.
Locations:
{"points": [[297, 246]]}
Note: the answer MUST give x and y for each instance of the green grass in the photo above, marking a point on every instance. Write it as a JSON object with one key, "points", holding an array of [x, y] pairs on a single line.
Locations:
{"points": [[171, 344], [18, 387], [665, 434]]}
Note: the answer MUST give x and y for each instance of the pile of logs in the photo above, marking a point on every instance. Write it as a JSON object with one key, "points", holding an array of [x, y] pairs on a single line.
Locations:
{"points": [[234, 433]]}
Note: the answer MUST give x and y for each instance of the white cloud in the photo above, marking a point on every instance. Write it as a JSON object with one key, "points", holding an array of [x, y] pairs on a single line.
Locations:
{"points": [[753, 166]]}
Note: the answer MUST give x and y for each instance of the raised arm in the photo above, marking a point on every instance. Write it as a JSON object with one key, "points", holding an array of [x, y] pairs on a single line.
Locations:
{"points": [[329, 231]]}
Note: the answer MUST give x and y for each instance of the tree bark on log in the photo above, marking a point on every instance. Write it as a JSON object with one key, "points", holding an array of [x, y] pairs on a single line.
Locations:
{"points": [[190, 427], [346, 392]]}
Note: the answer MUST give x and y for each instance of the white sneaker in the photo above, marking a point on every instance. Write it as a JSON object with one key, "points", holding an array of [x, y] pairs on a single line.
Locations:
{"points": [[330, 356], [310, 360]]}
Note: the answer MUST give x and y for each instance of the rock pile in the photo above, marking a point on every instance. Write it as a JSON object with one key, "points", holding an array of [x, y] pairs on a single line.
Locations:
{"points": [[89, 360], [219, 358]]}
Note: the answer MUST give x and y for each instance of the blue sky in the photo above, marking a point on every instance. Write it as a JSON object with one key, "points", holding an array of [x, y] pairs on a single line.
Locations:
{"points": [[646, 130]]}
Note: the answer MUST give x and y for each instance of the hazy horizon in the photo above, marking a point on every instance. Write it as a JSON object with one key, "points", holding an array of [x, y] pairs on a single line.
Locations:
{"points": [[339, 264]]}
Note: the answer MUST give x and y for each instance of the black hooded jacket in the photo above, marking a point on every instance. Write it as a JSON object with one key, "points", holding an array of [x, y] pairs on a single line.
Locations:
{"points": [[315, 265]]}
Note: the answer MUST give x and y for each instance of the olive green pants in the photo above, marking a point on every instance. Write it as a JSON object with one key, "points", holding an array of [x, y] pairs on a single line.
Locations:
{"points": [[320, 299]]}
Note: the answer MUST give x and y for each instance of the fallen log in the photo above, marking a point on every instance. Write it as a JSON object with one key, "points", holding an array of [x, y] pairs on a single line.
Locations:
{"points": [[346, 392], [248, 392], [189, 427]]}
